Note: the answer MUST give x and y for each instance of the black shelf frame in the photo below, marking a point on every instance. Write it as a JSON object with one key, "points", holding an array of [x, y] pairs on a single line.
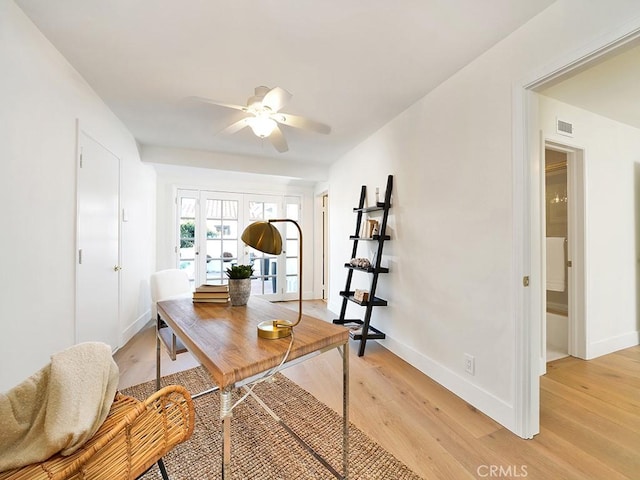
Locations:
{"points": [[376, 302], [361, 329], [368, 269], [375, 238]]}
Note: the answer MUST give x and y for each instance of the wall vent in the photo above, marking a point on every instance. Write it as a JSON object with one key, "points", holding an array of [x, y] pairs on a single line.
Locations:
{"points": [[564, 128]]}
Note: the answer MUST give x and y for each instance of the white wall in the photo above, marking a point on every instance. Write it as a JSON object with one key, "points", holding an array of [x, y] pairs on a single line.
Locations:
{"points": [[612, 219], [170, 178], [138, 253], [41, 97], [452, 288]]}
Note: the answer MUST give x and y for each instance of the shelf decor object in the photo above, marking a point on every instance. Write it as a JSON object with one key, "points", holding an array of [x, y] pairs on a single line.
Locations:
{"points": [[265, 237], [361, 329]]}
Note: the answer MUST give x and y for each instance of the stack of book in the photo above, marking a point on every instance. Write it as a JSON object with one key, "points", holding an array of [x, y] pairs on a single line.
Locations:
{"points": [[211, 293]]}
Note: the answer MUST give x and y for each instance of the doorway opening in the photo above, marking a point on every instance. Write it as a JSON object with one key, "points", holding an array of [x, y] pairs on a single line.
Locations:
{"points": [[563, 324], [530, 261], [557, 263]]}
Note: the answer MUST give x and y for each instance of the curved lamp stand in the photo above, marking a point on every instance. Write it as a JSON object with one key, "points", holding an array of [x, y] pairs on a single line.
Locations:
{"points": [[263, 236]]}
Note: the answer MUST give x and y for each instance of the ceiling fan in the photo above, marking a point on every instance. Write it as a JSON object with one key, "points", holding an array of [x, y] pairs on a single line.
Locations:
{"points": [[263, 116]]}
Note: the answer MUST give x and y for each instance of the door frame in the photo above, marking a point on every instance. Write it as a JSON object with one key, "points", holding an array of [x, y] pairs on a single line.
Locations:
{"points": [[527, 256], [325, 246], [321, 245]]}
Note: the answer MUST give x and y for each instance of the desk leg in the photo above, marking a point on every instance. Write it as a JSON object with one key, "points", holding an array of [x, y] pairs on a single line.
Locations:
{"points": [[225, 415], [158, 353], [345, 410]]}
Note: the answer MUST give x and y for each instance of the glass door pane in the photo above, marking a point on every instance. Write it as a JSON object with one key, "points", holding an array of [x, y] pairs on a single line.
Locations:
{"points": [[292, 247], [187, 239], [221, 214], [265, 266]]}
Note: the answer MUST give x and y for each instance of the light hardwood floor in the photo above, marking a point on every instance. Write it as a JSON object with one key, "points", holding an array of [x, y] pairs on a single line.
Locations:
{"points": [[590, 412]]}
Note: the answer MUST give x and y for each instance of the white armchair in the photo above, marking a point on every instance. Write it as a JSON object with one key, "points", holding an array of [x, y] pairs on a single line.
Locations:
{"points": [[165, 285]]}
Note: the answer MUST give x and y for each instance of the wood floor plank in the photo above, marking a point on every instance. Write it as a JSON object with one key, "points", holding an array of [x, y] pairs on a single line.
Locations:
{"points": [[400, 374], [524, 458], [565, 362], [621, 364], [414, 443], [584, 437], [572, 460], [613, 432], [586, 400], [614, 388], [630, 353]]}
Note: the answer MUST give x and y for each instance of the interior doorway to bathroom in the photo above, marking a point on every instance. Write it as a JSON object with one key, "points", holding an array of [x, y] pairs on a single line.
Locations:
{"points": [[557, 263], [564, 325]]}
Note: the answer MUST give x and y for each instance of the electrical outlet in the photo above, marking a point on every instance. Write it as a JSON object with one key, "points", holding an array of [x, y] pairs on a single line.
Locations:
{"points": [[469, 364]]}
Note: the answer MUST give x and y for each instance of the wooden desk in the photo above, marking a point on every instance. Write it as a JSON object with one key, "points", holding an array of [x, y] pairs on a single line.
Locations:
{"points": [[225, 341]]}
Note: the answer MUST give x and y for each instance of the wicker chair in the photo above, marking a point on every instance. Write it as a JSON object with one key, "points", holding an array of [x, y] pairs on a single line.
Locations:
{"points": [[134, 436]]}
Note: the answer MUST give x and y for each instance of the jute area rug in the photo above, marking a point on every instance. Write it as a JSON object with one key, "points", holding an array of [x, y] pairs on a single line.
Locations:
{"points": [[261, 448]]}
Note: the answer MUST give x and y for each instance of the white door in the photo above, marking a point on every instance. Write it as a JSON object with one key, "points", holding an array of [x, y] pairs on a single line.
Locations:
{"points": [[97, 273], [208, 237], [276, 277]]}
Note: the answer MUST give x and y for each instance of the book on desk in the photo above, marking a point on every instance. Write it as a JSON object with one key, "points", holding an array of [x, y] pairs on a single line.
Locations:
{"points": [[211, 293]]}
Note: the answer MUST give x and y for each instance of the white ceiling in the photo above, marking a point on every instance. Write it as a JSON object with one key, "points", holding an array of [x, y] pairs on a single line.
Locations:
{"points": [[353, 64], [610, 88]]}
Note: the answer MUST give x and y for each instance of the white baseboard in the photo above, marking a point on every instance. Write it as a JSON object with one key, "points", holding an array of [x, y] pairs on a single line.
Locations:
{"points": [[487, 403], [612, 344], [135, 326]]}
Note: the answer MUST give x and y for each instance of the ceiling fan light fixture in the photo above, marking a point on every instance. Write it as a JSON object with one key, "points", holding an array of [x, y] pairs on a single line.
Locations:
{"points": [[262, 114], [262, 126]]}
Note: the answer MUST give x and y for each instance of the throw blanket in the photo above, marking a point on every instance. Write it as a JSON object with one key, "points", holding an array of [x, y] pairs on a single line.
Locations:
{"points": [[58, 408]]}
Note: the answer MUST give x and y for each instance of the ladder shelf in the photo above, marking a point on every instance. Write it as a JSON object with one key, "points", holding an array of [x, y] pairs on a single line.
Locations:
{"points": [[361, 329]]}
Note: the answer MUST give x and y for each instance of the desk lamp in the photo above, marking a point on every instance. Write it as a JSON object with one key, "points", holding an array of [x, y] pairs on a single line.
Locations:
{"points": [[265, 237]]}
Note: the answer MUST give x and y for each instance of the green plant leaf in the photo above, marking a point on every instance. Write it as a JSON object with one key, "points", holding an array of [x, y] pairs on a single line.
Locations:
{"points": [[239, 271]]}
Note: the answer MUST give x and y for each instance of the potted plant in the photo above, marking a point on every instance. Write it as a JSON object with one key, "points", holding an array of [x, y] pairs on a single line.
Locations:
{"points": [[239, 283]]}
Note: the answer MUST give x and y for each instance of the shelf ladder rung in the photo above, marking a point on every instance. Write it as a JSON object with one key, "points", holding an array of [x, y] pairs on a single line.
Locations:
{"points": [[348, 321], [372, 334]]}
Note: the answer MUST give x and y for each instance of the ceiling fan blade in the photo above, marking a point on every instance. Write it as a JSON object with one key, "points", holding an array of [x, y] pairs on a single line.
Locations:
{"points": [[276, 98], [301, 122], [220, 104], [278, 140], [234, 127]]}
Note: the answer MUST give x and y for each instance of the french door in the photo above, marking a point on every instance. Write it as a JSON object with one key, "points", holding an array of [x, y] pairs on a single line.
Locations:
{"points": [[209, 226]]}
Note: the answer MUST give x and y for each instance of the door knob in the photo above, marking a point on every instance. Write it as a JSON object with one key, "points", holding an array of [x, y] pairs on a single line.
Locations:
{"points": [[117, 268]]}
